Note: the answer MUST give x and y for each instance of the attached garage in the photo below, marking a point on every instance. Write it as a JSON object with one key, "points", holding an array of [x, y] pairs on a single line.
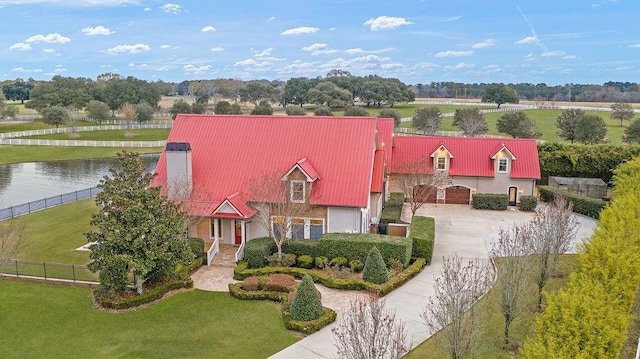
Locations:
{"points": [[457, 195], [426, 193]]}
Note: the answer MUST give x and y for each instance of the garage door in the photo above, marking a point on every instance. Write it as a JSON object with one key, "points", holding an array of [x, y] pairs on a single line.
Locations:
{"points": [[457, 195], [425, 193]]}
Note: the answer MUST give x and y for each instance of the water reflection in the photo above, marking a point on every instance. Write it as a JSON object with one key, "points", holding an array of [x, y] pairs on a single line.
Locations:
{"points": [[25, 182]]}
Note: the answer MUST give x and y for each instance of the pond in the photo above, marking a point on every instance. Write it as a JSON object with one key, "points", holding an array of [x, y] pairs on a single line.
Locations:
{"points": [[25, 182]]}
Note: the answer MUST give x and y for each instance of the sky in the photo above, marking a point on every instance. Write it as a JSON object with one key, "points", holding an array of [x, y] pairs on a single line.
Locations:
{"points": [[417, 41]]}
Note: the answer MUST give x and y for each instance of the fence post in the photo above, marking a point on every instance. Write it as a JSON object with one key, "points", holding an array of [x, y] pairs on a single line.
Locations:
{"points": [[44, 267], [73, 270], [17, 272]]}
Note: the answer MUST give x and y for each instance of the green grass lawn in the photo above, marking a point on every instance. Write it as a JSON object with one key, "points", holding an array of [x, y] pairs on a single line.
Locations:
{"points": [[16, 154], [37, 125], [50, 321], [493, 326], [111, 135]]}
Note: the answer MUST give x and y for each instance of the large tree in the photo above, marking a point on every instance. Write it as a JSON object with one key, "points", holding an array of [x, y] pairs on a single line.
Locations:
{"points": [[390, 113], [567, 123], [136, 229], [256, 91], [117, 92], [144, 112], [517, 124], [181, 106], [295, 90], [577, 126], [428, 120], [499, 94], [18, 90], [470, 121], [622, 111], [55, 115], [97, 110], [327, 93], [61, 91], [632, 133]]}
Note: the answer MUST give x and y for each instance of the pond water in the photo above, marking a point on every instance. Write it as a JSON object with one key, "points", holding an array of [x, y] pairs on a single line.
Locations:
{"points": [[25, 182]]}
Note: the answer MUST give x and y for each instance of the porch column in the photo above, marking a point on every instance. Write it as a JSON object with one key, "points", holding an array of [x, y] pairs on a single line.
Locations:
{"points": [[216, 229], [243, 230]]}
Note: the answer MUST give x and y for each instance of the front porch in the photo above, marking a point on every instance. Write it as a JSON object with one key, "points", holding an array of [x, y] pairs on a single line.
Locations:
{"points": [[222, 237]]}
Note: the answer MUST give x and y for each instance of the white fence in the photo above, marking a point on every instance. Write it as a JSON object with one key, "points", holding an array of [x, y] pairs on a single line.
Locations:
{"points": [[9, 138], [50, 131], [78, 143]]}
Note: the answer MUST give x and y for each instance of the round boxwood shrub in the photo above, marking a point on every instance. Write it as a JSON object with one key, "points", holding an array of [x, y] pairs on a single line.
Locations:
{"points": [[339, 262], [296, 111], [305, 262], [306, 304], [356, 265], [321, 262], [375, 271], [323, 110]]}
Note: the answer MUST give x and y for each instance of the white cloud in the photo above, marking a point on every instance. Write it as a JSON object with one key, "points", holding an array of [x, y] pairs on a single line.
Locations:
{"points": [[196, 70], [54, 38], [369, 58], [48, 51], [427, 65], [386, 23], [133, 49], [459, 66], [358, 50], [18, 69], [271, 19], [553, 53], [528, 40], [391, 66], [171, 8], [569, 57], [450, 53], [263, 53], [247, 62], [147, 9], [529, 57], [635, 45], [20, 46], [484, 44], [300, 30], [98, 30], [208, 28], [165, 46], [217, 49], [453, 18], [319, 49]]}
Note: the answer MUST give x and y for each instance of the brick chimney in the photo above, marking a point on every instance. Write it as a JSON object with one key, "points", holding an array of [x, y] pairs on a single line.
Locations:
{"points": [[179, 172]]}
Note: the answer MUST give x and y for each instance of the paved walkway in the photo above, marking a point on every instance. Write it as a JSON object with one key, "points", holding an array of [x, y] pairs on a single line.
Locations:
{"points": [[459, 229]]}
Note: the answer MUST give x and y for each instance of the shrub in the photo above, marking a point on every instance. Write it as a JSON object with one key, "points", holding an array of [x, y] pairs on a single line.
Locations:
{"points": [[327, 317], [257, 250], [422, 233], [250, 284], [321, 262], [339, 262], [375, 270], [392, 210], [355, 111], [390, 113], [197, 247], [301, 247], [323, 110], [306, 304], [494, 201], [356, 265], [357, 246], [395, 266], [280, 283], [528, 203], [296, 111], [263, 108], [286, 260], [119, 302], [588, 206], [305, 261]]}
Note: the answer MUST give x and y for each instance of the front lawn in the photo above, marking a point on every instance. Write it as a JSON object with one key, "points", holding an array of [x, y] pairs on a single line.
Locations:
{"points": [[154, 134], [17, 154], [49, 321]]}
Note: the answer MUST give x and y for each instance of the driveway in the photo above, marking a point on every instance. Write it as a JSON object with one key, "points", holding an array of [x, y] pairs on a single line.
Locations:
{"points": [[459, 229]]}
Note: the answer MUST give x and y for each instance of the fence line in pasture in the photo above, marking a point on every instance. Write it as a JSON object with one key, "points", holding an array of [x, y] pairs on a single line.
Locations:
{"points": [[74, 273], [79, 143], [49, 202]]}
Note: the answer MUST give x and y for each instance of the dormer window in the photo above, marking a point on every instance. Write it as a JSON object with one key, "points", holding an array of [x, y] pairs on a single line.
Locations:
{"points": [[441, 163], [298, 194], [503, 165]]}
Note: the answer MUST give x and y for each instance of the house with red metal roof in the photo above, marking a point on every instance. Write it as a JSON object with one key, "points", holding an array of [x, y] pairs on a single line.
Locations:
{"points": [[334, 164], [474, 165]]}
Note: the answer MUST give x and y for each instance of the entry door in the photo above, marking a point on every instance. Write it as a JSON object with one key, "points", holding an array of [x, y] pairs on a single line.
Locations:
{"points": [[238, 231], [513, 196]]}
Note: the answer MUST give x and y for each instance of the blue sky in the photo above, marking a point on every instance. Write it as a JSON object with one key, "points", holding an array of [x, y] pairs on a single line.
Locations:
{"points": [[417, 41]]}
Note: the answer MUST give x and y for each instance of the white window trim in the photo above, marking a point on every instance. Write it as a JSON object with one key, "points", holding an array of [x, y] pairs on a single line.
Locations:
{"points": [[506, 162], [304, 191], [211, 228], [307, 225], [446, 164]]}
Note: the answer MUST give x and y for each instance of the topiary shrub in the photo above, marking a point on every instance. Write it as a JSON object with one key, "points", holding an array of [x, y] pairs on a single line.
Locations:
{"points": [[323, 110], [493, 201], [339, 262], [250, 284], [306, 305], [375, 270], [321, 262], [296, 111], [257, 250], [305, 261], [280, 283], [528, 203], [356, 266]]}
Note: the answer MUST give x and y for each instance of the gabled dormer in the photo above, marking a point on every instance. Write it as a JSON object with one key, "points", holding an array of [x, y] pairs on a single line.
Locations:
{"points": [[502, 160], [233, 206], [300, 179], [441, 158]]}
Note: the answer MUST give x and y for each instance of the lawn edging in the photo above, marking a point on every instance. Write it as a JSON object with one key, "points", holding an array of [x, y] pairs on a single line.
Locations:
{"points": [[107, 301]]}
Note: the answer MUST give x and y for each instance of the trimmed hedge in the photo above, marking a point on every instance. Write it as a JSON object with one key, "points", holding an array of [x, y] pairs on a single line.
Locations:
{"points": [[588, 206], [302, 247], [357, 246], [392, 210], [257, 250], [328, 316], [111, 302], [423, 234], [528, 203], [493, 201], [242, 271]]}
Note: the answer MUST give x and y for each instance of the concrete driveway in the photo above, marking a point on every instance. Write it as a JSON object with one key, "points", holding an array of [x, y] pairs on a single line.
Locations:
{"points": [[459, 229]]}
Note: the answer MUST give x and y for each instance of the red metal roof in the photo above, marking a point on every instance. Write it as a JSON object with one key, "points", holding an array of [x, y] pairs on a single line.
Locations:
{"points": [[377, 178], [228, 151], [471, 155]]}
